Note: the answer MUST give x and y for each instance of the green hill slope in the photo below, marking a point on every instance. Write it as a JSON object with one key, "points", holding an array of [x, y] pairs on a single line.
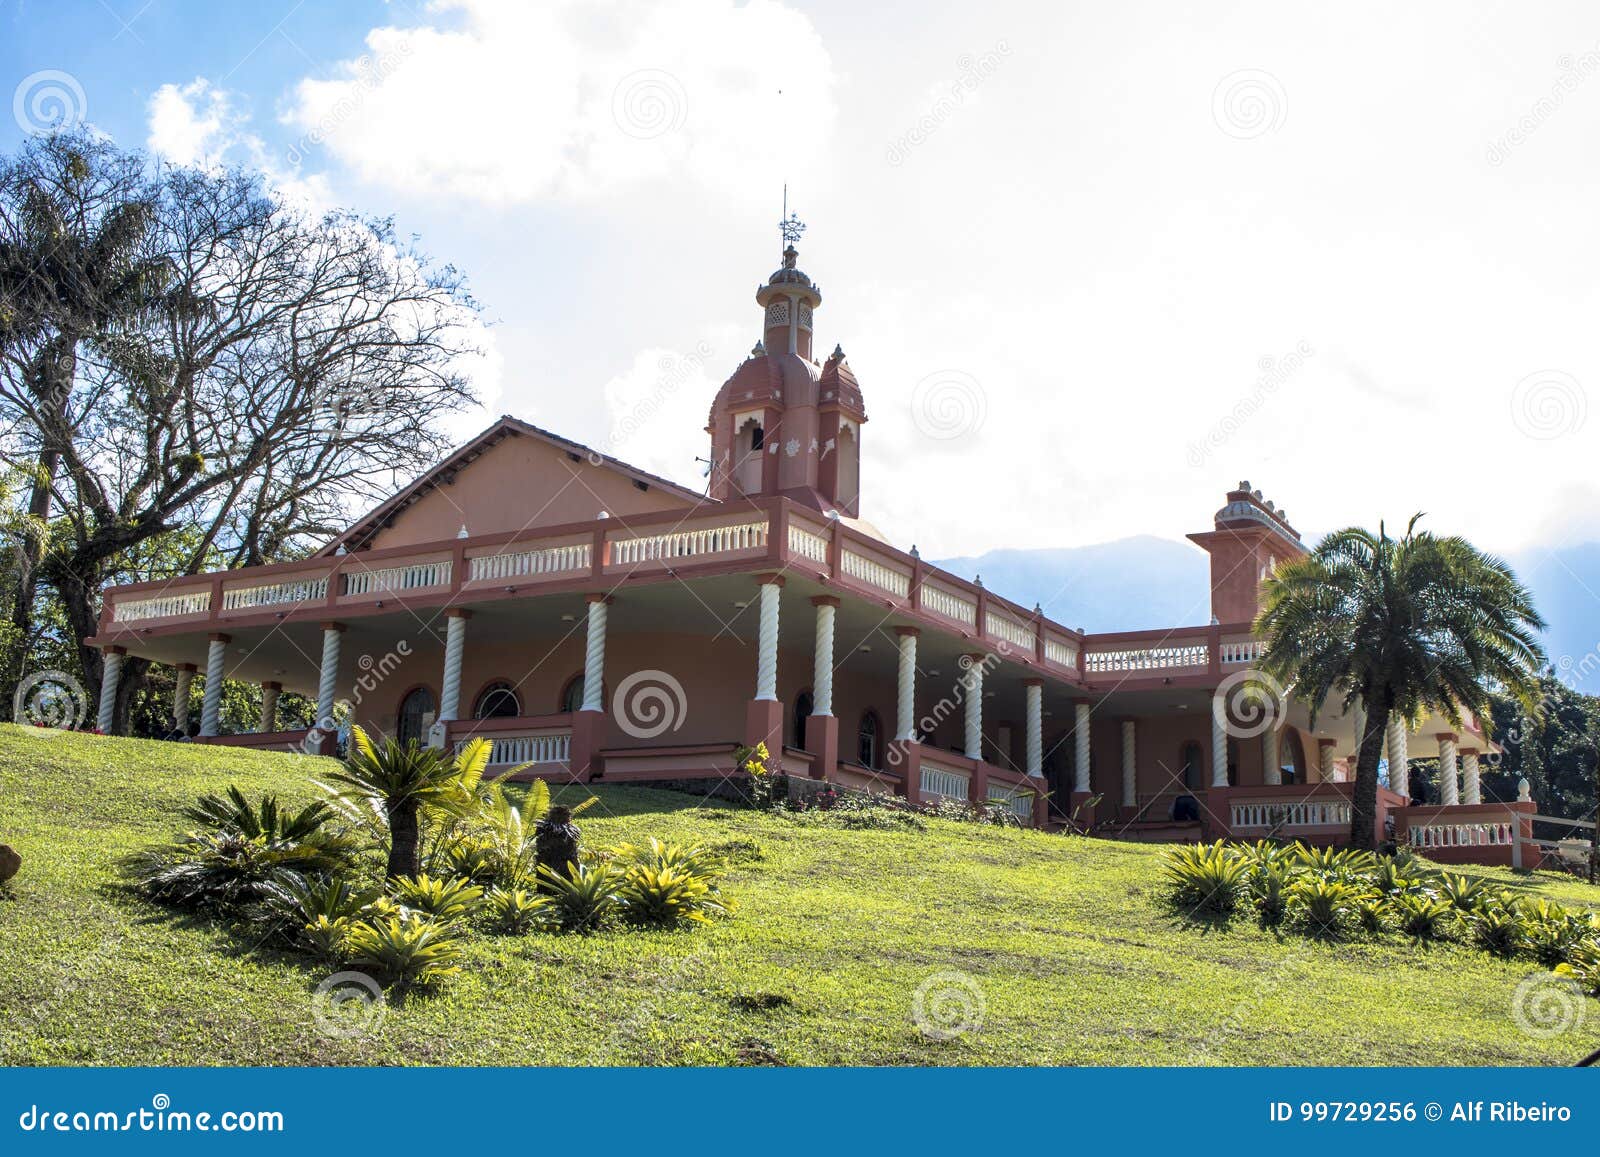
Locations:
{"points": [[1064, 951]]}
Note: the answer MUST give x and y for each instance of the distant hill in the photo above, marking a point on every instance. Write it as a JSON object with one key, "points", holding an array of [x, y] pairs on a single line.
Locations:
{"points": [[1128, 585], [1147, 582]]}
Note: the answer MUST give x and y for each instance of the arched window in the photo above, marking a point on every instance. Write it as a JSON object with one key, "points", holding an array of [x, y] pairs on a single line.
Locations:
{"points": [[418, 710], [869, 740], [572, 694], [749, 442], [1191, 757], [497, 701], [802, 712]]}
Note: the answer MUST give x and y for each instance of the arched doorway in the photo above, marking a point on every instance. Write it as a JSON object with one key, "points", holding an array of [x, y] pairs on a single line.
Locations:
{"points": [[418, 710], [802, 712]]}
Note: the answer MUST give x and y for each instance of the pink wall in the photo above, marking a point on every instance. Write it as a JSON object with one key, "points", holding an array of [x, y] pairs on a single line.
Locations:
{"points": [[519, 483]]}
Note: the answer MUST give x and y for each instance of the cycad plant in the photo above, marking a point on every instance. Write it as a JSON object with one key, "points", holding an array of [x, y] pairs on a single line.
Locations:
{"points": [[1206, 877], [402, 780], [405, 951], [1400, 627]]}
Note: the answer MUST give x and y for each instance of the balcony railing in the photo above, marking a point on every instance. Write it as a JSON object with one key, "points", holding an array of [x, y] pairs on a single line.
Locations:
{"points": [[939, 780], [772, 533]]}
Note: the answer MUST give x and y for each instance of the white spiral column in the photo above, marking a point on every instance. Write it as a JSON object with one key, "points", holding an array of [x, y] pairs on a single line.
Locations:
{"points": [[269, 706], [1034, 689], [1219, 751], [1449, 781], [906, 689], [594, 656], [1471, 787], [1080, 754], [1325, 764], [973, 681], [1271, 759], [180, 698], [1399, 767], [328, 679], [1130, 765], [211, 704], [822, 659], [110, 677], [455, 645], [767, 643]]}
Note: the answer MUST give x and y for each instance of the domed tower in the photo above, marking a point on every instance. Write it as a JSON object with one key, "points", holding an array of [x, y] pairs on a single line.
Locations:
{"points": [[785, 423]]}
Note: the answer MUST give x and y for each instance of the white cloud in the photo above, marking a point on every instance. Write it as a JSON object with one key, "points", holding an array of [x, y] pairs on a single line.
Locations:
{"points": [[516, 102], [193, 124]]}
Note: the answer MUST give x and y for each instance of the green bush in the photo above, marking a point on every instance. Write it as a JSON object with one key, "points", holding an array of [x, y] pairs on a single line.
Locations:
{"points": [[1497, 928], [586, 901], [1583, 965], [439, 900], [1550, 932], [1205, 877], [516, 911], [1269, 884], [405, 951], [1326, 902], [1420, 915], [669, 885], [1462, 893]]}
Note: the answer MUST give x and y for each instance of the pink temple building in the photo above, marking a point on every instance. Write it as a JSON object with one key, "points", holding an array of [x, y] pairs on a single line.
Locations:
{"points": [[609, 625]]}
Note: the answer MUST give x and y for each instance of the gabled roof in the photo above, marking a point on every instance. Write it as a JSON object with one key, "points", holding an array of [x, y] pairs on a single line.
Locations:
{"points": [[362, 530]]}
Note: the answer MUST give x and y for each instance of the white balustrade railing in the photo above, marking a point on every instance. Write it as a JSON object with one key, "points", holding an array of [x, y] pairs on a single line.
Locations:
{"points": [[1243, 650], [998, 626], [276, 594], [1060, 653], [397, 578], [1018, 803], [1148, 658], [949, 604], [1290, 814], [943, 781], [545, 560], [807, 543], [546, 748], [874, 573], [689, 543], [1485, 833], [161, 606]]}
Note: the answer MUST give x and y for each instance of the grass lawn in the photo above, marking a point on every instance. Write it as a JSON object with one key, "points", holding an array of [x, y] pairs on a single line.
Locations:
{"points": [[1076, 959]]}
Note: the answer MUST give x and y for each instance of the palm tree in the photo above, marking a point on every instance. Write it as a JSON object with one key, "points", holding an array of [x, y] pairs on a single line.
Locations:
{"points": [[1399, 627], [402, 780]]}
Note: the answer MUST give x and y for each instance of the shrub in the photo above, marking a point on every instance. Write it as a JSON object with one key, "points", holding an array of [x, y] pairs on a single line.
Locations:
{"points": [[1462, 893], [1421, 916], [586, 901], [1371, 911], [1269, 884], [247, 852], [668, 885], [405, 951], [322, 912], [440, 900], [1326, 901], [1497, 929], [1393, 875], [516, 911], [1583, 965], [1550, 932], [1339, 863], [1205, 877]]}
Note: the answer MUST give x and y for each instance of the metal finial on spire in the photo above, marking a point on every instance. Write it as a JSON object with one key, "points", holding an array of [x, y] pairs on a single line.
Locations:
{"points": [[790, 227]]}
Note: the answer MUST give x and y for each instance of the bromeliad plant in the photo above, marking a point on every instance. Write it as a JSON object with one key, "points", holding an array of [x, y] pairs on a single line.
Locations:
{"points": [[1206, 877], [408, 952], [669, 885]]}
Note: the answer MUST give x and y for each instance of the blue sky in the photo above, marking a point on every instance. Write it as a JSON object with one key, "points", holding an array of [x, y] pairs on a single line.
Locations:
{"points": [[1092, 263]]}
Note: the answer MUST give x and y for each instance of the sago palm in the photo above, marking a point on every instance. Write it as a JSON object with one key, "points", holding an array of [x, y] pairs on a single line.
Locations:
{"points": [[404, 779], [1400, 626]]}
